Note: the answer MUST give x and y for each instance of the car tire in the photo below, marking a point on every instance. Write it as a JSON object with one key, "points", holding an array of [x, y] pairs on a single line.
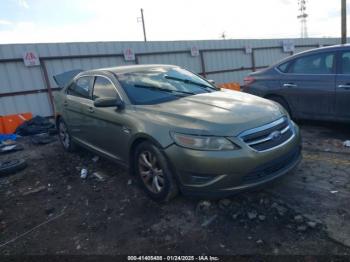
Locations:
{"points": [[12, 166], [153, 173], [65, 137], [282, 102]]}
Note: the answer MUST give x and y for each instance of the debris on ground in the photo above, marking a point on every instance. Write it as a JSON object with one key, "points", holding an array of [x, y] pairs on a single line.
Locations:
{"points": [[224, 203], [346, 143], [34, 190], [99, 176], [95, 159], [333, 191], [252, 215], [262, 217], [260, 242], [203, 206], [129, 182], [298, 219], [302, 228], [13, 147], [209, 220], [34, 126], [83, 173], [42, 139], [312, 224], [12, 166]]}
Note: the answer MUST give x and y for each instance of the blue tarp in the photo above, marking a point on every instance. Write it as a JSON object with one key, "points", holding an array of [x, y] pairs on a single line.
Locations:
{"points": [[8, 137]]}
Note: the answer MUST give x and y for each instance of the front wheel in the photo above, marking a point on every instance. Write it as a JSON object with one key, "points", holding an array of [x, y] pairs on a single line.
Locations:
{"points": [[153, 172]]}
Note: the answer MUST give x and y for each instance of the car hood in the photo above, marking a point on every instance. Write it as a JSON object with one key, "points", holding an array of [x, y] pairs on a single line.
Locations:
{"points": [[224, 113]]}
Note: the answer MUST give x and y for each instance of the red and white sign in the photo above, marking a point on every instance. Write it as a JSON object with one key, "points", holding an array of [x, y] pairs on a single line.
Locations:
{"points": [[31, 58], [129, 54], [194, 51]]}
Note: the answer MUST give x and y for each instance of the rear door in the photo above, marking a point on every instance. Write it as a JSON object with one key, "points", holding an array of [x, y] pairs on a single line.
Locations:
{"points": [[343, 86], [78, 96], [309, 85], [108, 127]]}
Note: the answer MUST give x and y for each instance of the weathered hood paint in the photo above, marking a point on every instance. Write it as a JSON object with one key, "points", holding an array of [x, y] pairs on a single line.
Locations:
{"points": [[222, 113]]}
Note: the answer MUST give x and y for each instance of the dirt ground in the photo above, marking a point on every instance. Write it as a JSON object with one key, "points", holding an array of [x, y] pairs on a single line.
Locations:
{"points": [[48, 209]]}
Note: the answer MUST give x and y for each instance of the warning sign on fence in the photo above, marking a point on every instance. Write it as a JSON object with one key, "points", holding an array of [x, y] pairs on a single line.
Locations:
{"points": [[31, 58], [129, 54]]}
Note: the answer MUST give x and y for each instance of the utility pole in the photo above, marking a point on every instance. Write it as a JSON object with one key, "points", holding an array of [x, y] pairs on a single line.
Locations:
{"points": [[143, 26], [343, 21]]}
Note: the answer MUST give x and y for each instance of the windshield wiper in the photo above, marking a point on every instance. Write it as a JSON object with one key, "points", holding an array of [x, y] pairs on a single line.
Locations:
{"points": [[163, 89], [187, 81]]}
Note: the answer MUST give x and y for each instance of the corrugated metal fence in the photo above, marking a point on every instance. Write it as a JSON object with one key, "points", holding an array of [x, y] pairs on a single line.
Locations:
{"points": [[29, 89]]}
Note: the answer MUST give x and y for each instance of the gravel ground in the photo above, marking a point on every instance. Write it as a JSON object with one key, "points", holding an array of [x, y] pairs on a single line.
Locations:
{"points": [[48, 209]]}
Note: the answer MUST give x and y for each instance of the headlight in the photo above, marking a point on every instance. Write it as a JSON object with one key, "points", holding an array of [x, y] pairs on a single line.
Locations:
{"points": [[203, 142]]}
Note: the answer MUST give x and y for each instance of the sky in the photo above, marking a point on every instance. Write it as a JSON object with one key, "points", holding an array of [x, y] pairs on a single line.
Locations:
{"points": [[38, 21]]}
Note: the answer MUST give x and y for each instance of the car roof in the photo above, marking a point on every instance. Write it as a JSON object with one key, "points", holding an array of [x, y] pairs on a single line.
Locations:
{"points": [[128, 68], [341, 47]]}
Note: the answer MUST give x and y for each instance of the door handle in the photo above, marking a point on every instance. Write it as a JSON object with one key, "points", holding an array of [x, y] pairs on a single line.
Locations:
{"points": [[91, 110], [289, 85], [346, 87]]}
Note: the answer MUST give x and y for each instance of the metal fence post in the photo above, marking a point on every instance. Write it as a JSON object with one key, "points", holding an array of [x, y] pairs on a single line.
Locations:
{"points": [[47, 83], [204, 74]]}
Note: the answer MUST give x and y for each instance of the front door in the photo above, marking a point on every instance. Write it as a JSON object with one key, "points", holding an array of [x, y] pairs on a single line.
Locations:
{"points": [[310, 86], [109, 129]]}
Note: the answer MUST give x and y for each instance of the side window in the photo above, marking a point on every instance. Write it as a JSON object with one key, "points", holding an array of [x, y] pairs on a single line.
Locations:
{"points": [[284, 67], [313, 64], [80, 87], [345, 63], [103, 88]]}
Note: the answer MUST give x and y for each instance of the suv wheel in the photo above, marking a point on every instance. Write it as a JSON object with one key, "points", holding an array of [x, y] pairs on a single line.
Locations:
{"points": [[65, 137], [153, 172]]}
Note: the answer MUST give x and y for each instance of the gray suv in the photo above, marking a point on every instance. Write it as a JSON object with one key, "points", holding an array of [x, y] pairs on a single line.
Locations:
{"points": [[311, 85]]}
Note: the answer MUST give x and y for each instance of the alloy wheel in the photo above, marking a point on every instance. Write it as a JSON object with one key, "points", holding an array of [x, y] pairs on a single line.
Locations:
{"points": [[150, 171]]}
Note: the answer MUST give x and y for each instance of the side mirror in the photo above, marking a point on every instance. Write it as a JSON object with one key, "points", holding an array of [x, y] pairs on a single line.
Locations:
{"points": [[211, 81], [109, 102]]}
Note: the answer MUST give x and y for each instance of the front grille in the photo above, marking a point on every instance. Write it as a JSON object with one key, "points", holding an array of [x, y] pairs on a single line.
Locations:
{"points": [[272, 168], [268, 136]]}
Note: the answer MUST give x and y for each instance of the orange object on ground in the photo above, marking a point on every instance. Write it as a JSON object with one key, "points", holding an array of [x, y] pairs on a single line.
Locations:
{"points": [[233, 86], [2, 130], [9, 123]]}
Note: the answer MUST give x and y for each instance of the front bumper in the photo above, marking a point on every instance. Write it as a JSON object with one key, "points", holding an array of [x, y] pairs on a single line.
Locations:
{"points": [[222, 173]]}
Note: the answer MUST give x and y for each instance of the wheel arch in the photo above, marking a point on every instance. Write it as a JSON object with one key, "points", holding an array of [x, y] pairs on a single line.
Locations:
{"points": [[137, 140]]}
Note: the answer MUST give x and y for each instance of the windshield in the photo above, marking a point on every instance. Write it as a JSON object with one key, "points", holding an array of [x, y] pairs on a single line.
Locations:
{"points": [[161, 84]]}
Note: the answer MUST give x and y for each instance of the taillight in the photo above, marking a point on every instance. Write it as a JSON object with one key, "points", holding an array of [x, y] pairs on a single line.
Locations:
{"points": [[248, 80]]}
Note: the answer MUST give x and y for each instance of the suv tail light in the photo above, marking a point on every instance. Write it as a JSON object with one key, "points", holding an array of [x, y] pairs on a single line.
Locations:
{"points": [[248, 80]]}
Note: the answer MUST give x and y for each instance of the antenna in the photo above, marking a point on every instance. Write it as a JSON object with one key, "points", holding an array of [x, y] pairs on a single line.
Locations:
{"points": [[302, 17]]}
